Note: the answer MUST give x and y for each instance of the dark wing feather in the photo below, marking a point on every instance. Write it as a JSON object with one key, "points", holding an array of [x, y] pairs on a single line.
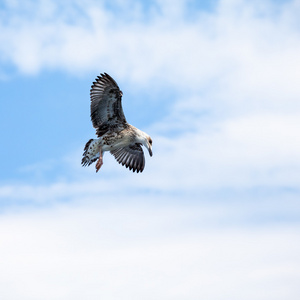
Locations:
{"points": [[106, 107], [131, 156]]}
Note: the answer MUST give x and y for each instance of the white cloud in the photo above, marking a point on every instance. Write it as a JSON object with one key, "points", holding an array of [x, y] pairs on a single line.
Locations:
{"points": [[142, 251], [249, 151], [232, 42]]}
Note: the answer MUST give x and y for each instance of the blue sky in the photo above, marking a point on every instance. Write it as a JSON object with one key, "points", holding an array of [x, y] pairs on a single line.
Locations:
{"points": [[215, 214]]}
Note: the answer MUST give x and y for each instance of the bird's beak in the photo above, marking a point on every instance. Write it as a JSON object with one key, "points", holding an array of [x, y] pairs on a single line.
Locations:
{"points": [[149, 147]]}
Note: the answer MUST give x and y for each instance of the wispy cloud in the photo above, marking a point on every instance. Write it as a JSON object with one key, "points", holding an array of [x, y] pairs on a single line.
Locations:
{"points": [[238, 38]]}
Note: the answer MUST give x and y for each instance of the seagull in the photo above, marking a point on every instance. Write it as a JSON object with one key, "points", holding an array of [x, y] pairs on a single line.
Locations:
{"points": [[115, 135]]}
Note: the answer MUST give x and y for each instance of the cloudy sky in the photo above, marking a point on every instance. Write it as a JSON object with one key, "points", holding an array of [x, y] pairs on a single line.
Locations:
{"points": [[215, 214]]}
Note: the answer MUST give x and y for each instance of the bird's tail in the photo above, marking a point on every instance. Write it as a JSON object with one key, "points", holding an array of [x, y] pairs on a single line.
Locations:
{"points": [[90, 152]]}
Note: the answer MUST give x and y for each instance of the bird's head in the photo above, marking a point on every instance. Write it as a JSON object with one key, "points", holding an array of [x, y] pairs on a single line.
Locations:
{"points": [[149, 145], [146, 140]]}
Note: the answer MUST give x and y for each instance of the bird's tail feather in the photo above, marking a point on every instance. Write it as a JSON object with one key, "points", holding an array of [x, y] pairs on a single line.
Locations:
{"points": [[90, 153]]}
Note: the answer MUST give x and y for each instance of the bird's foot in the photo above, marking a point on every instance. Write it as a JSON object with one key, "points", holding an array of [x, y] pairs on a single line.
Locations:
{"points": [[99, 164]]}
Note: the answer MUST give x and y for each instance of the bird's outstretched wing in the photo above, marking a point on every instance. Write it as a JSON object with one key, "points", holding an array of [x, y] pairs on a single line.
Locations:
{"points": [[106, 107], [131, 156]]}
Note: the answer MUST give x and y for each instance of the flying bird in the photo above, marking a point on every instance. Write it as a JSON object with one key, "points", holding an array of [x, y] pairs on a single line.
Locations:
{"points": [[115, 135]]}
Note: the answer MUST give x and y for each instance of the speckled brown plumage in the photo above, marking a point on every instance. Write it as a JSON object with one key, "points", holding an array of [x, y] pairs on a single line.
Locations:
{"points": [[123, 140]]}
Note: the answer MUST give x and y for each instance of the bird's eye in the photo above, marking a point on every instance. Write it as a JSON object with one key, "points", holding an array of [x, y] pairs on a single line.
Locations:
{"points": [[150, 142]]}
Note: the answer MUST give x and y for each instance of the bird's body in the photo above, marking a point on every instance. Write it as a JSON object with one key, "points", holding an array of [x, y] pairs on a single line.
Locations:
{"points": [[123, 140]]}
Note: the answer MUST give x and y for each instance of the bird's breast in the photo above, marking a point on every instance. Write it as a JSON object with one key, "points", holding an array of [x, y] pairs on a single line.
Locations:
{"points": [[114, 140]]}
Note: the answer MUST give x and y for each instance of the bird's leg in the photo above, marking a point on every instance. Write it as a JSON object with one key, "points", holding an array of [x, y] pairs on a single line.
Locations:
{"points": [[100, 160]]}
